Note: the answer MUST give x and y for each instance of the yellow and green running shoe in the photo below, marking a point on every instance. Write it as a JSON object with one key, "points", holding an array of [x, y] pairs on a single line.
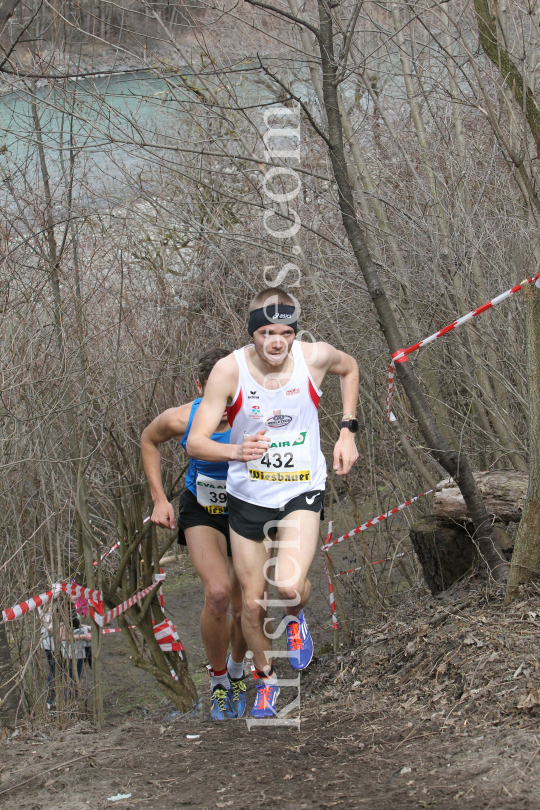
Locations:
{"points": [[238, 687], [221, 703]]}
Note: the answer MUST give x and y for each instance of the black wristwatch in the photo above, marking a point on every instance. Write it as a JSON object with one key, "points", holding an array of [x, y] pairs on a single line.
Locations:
{"points": [[352, 424]]}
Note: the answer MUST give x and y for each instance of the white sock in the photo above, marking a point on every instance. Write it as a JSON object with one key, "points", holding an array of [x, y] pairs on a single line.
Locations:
{"points": [[222, 679], [235, 670]]}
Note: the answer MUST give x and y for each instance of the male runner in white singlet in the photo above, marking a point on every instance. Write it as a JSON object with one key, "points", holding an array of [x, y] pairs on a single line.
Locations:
{"points": [[277, 471]]}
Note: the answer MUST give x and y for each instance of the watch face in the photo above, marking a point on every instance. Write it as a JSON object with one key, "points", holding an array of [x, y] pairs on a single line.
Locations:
{"points": [[353, 426]]}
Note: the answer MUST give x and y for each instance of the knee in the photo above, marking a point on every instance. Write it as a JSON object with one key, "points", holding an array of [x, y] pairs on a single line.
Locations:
{"points": [[290, 593], [253, 611], [217, 599]]}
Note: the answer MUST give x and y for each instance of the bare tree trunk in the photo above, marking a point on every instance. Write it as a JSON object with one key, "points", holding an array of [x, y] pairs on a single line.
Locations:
{"points": [[369, 186], [7, 10], [76, 450], [454, 462], [526, 556]]}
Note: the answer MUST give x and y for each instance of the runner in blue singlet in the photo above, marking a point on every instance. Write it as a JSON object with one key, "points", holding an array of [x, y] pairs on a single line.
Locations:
{"points": [[204, 527]]}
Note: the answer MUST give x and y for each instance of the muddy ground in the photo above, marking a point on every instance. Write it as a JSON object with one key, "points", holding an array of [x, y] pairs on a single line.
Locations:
{"points": [[435, 704], [337, 759]]}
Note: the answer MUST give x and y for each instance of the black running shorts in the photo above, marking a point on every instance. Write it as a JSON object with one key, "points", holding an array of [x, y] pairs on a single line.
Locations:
{"points": [[249, 520], [191, 514]]}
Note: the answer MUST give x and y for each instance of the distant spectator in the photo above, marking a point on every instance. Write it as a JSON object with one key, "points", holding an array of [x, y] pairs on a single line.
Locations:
{"points": [[47, 643], [74, 641], [83, 608]]}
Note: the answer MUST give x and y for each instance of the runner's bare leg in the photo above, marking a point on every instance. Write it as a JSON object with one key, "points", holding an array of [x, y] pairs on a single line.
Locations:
{"points": [[299, 534], [300, 531], [249, 559], [238, 642], [208, 551]]}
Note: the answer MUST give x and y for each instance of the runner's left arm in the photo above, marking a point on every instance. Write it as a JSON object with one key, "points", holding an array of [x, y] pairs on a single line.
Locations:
{"points": [[171, 424], [329, 360], [217, 392]]}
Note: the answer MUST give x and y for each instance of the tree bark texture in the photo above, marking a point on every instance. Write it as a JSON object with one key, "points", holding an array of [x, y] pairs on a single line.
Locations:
{"points": [[446, 553], [8, 702], [494, 49], [526, 557], [7, 10], [454, 462], [504, 493]]}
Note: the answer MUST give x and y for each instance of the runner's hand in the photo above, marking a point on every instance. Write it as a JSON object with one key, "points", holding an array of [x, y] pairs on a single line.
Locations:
{"points": [[345, 452], [253, 447], [163, 515]]}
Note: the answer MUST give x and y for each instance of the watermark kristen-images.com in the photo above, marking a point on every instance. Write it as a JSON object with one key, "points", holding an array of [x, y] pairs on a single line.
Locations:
{"points": [[273, 138]]}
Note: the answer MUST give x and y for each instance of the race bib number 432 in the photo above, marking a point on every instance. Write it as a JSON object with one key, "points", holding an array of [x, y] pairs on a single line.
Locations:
{"points": [[287, 459], [212, 494]]}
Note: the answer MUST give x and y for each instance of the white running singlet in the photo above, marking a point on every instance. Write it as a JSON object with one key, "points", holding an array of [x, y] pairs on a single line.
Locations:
{"points": [[294, 463]]}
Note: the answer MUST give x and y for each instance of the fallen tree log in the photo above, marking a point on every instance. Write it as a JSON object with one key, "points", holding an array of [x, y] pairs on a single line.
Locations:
{"points": [[503, 491]]}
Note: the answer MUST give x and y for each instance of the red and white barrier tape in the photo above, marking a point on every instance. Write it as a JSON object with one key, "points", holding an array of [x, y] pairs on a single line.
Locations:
{"points": [[329, 535], [95, 597], [104, 556], [332, 599], [401, 356], [102, 620], [72, 590], [166, 636], [165, 632], [30, 604], [77, 590], [331, 594], [373, 521], [37, 601]]}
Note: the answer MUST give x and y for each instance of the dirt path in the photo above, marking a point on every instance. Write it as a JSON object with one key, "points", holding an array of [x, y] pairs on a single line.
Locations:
{"points": [[437, 704], [129, 690], [335, 760]]}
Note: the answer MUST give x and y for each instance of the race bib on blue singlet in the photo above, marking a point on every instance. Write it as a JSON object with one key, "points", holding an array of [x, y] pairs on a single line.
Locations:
{"points": [[211, 494]]}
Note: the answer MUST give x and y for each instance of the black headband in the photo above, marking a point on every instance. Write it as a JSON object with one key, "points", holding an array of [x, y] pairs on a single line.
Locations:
{"points": [[270, 315]]}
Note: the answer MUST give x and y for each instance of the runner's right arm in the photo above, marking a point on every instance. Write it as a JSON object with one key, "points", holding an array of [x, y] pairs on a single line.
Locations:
{"points": [[220, 388], [171, 424]]}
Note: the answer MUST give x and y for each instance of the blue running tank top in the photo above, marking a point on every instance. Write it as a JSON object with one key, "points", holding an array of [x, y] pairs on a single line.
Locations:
{"points": [[207, 480]]}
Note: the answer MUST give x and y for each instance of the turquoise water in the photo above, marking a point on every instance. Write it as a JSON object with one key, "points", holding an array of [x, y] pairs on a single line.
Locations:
{"points": [[110, 117], [130, 103], [109, 114]]}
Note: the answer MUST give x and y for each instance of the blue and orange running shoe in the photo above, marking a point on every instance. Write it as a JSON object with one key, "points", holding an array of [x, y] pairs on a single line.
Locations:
{"points": [[299, 642], [221, 703], [239, 696], [267, 695]]}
